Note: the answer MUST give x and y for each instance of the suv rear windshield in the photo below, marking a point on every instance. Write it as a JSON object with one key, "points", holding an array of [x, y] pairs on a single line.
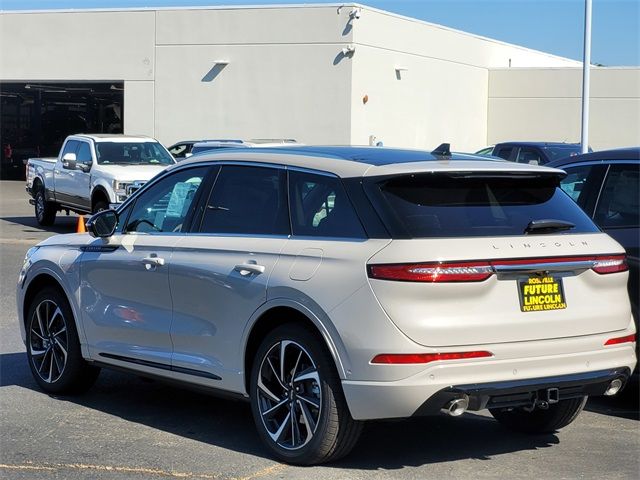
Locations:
{"points": [[449, 205]]}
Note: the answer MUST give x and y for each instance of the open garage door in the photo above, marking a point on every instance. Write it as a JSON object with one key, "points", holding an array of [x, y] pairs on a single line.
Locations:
{"points": [[36, 117]]}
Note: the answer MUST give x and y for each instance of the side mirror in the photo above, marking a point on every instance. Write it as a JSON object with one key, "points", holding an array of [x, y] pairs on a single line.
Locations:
{"points": [[69, 161], [103, 224], [84, 167]]}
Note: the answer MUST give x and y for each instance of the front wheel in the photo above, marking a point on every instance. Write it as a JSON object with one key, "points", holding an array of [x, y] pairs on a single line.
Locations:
{"points": [[297, 400], [539, 421], [99, 206], [53, 348]]}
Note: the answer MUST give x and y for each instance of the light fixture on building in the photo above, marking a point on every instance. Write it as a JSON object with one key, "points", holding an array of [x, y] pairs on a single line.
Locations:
{"points": [[348, 51], [399, 71]]}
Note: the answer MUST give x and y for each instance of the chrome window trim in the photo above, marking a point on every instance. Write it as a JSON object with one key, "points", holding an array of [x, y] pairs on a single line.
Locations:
{"points": [[595, 205]]}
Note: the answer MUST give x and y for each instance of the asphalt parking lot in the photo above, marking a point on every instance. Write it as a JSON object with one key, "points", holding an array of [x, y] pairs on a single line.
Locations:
{"points": [[126, 427]]}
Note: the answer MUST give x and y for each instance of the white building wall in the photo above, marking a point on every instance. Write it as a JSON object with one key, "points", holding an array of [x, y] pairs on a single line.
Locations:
{"points": [[545, 105], [442, 94], [280, 81]]}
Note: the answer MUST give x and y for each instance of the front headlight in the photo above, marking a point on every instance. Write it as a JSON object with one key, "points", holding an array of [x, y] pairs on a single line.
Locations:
{"points": [[29, 254], [26, 263]]}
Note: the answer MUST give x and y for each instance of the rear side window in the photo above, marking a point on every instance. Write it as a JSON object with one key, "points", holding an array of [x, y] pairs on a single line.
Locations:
{"points": [[618, 204], [320, 207], [428, 205], [247, 200], [530, 156], [504, 152]]}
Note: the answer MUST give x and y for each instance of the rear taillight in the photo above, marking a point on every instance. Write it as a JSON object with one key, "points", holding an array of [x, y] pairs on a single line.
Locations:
{"points": [[413, 358], [433, 272], [626, 339], [478, 271], [610, 264]]}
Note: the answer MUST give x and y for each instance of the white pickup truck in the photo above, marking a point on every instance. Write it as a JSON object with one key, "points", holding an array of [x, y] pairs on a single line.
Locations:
{"points": [[92, 173]]}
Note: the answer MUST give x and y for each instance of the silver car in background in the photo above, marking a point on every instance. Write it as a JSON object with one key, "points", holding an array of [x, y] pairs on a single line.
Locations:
{"points": [[333, 285]]}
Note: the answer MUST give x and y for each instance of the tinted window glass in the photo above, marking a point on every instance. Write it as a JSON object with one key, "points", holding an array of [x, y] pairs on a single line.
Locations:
{"points": [[165, 206], [562, 151], [504, 152], [529, 156], [618, 204], [575, 183], [83, 155], [427, 205], [320, 207], [248, 200]]}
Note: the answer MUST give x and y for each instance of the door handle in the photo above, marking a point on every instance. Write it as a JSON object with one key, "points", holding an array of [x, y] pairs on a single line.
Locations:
{"points": [[152, 261], [248, 268]]}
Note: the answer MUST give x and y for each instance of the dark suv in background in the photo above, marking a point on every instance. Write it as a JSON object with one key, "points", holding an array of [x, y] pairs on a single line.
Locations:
{"points": [[606, 185], [535, 153]]}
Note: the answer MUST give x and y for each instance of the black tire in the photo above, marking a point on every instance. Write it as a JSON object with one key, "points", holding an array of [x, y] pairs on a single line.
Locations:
{"points": [[53, 348], [540, 421], [99, 206], [45, 211], [334, 431]]}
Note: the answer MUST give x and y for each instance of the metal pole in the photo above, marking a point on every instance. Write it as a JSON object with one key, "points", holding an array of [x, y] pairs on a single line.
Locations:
{"points": [[586, 70]]}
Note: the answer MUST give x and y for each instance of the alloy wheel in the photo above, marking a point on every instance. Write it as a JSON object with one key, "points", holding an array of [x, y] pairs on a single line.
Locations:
{"points": [[48, 341], [289, 395]]}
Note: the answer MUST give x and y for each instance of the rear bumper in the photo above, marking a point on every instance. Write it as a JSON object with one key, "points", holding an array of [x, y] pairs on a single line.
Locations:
{"points": [[485, 380], [521, 393]]}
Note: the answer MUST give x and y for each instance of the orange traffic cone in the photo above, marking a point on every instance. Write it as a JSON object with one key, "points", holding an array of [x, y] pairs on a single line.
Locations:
{"points": [[81, 228]]}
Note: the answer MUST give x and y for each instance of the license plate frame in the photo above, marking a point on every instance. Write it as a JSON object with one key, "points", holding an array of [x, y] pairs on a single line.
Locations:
{"points": [[541, 293]]}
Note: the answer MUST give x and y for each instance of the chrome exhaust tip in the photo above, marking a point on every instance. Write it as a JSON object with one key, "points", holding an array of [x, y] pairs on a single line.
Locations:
{"points": [[456, 407], [614, 387]]}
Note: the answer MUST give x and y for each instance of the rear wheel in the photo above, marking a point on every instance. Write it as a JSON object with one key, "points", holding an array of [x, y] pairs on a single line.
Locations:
{"points": [[45, 211], [297, 400], [557, 416], [53, 348]]}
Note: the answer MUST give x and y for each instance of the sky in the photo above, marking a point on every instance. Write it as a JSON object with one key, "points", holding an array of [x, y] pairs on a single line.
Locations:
{"points": [[554, 26]]}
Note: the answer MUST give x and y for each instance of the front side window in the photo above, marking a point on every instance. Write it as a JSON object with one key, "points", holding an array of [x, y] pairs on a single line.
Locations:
{"points": [[179, 150], [249, 201], [83, 155], [70, 147], [320, 207], [132, 153], [529, 156], [618, 204], [166, 205]]}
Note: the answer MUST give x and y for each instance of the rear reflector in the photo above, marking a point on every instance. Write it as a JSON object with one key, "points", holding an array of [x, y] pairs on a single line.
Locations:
{"points": [[615, 341], [406, 358], [481, 270]]}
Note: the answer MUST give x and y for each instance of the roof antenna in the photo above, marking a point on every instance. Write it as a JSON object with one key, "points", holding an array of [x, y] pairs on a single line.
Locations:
{"points": [[443, 150]]}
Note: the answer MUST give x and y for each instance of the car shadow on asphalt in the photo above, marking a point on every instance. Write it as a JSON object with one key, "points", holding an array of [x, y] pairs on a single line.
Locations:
{"points": [[64, 224], [228, 424]]}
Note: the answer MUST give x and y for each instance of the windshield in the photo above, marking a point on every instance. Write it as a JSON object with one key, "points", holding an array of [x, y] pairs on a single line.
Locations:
{"points": [[428, 205], [556, 153], [132, 153]]}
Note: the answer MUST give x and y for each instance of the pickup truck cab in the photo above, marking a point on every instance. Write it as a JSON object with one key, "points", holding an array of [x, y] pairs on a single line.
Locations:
{"points": [[92, 173]]}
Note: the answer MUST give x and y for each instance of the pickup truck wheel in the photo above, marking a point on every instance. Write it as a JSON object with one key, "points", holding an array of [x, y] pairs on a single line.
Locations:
{"points": [[297, 401], [539, 421], [99, 206], [45, 211], [53, 348]]}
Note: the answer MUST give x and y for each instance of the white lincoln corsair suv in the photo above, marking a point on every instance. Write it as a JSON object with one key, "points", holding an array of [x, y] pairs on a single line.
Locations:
{"points": [[333, 285]]}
